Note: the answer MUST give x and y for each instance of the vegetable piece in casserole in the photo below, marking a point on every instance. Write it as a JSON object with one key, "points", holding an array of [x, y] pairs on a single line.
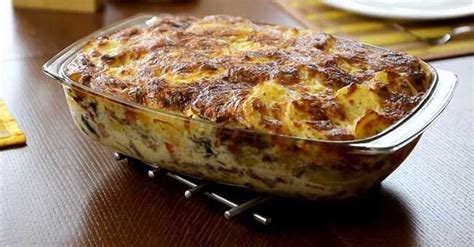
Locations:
{"points": [[266, 78]]}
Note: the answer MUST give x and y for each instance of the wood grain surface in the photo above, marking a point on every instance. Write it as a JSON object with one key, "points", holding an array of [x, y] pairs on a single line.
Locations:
{"points": [[65, 189]]}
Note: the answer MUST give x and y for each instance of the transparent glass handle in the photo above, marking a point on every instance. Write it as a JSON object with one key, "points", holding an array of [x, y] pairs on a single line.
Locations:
{"points": [[54, 67]]}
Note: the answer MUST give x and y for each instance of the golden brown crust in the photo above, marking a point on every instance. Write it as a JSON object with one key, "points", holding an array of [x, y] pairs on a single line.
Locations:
{"points": [[267, 78]]}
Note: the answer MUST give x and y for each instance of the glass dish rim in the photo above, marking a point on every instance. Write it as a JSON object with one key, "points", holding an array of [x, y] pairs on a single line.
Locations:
{"points": [[67, 55]]}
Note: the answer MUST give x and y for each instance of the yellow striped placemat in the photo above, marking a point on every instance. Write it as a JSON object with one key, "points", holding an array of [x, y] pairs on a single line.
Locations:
{"points": [[396, 35], [10, 133]]}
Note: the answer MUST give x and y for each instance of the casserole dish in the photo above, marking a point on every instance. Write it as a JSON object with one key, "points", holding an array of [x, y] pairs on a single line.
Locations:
{"points": [[268, 162]]}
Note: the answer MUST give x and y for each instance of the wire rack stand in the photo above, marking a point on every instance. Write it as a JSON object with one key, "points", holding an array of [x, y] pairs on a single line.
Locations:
{"points": [[197, 187]]}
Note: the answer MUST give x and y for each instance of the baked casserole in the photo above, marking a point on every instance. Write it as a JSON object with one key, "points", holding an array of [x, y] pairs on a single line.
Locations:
{"points": [[275, 109]]}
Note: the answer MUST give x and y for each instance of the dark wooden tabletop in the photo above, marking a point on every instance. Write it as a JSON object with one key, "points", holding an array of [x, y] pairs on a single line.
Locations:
{"points": [[65, 189]]}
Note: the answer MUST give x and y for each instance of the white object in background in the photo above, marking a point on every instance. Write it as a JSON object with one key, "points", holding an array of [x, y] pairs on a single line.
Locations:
{"points": [[407, 9]]}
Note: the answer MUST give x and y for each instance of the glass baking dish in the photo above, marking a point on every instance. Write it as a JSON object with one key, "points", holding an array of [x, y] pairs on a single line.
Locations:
{"points": [[282, 165]]}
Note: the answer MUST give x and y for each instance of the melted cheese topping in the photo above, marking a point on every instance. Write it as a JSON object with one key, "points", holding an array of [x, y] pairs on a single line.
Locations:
{"points": [[267, 78]]}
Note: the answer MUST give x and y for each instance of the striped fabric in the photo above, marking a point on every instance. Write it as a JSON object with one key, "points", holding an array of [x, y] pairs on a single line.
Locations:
{"points": [[398, 35], [10, 133]]}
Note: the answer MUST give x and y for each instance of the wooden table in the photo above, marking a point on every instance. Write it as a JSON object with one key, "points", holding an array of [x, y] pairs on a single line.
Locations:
{"points": [[64, 189]]}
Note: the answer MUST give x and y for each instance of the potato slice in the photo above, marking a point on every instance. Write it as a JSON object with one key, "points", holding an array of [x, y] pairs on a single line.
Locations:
{"points": [[357, 100], [371, 124]]}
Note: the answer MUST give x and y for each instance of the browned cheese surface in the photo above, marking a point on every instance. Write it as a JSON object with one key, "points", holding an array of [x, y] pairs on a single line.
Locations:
{"points": [[266, 78]]}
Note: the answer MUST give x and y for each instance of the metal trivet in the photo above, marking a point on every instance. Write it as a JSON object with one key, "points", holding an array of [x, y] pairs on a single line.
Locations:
{"points": [[201, 187]]}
